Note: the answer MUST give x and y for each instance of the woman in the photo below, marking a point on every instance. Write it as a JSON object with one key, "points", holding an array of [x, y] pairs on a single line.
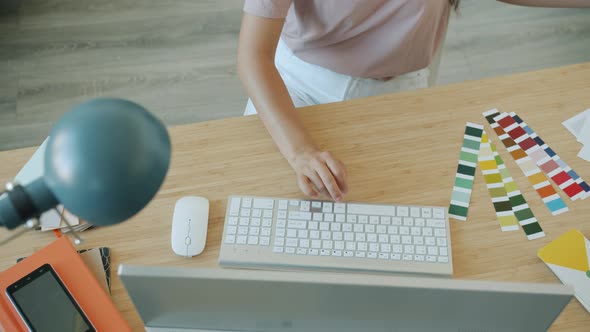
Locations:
{"points": [[295, 53]]}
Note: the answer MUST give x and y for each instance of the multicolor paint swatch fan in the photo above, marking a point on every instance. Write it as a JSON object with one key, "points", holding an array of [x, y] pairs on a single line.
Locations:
{"points": [[569, 258]]}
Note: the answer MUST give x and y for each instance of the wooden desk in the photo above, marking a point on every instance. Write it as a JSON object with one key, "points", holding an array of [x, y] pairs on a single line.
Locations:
{"points": [[399, 148]]}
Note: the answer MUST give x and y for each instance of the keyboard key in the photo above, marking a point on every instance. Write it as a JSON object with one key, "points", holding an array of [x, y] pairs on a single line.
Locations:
{"points": [[334, 227], [337, 253], [381, 229], [299, 215], [316, 205], [316, 244], [438, 213], [408, 221], [280, 232], [277, 250], [325, 252], [303, 234], [328, 217], [363, 219], [383, 256], [266, 222], [440, 232], [282, 215], [326, 235], [347, 227], [247, 202], [232, 221], [255, 222], [435, 223], [339, 208], [421, 250], [374, 247], [351, 218], [372, 237], [339, 245], [243, 230], [350, 245], [265, 240], [245, 212], [419, 258], [327, 207], [280, 241], [415, 231], [371, 255], [348, 253], [359, 228], [359, 254], [407, 257], [386, 220], [403, 211], [362, 246], [408, 249], [429, 241], [232, 230], [314, 234], [427, 231], [318, 216], [230, 239], [327, 244], [244, 221], [370, 209], [324, 226], [426, 213], [312, 225], [289, 250], [396, 257], [281, 223], [255, 231], [301, 251], [304, 206], [395, 239], [257, 213], [291, 242], [304, 243], [392, 230], [419, 240], [403, 230], [396, 221], [291, 232], [294, 203], [386, 247], [313, 252], [443, 251], [433, 251], [415, 212], [441, 241], [431, 258], [338, 236], [374, 220], [406, 239], [443, 259], [369, 228], [383, 238], [234, 207], [283, 204], [252, 239], [340, 218], [241, 239], [267, 213], [419, 222], [298, 224], [396, 248]]}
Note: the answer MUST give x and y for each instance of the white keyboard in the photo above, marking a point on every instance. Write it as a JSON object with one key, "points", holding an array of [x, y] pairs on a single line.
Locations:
{"points": [[279, 233]]}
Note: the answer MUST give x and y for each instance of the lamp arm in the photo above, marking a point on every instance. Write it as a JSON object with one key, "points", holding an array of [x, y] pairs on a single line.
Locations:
{"points": [[21, 203]]}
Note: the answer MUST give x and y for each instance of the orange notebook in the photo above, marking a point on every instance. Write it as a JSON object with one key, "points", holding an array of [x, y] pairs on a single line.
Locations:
{"points": [[77, 277]]}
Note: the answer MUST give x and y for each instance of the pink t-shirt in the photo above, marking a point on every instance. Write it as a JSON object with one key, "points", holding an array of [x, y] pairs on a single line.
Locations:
{"points": [[362, 38]]}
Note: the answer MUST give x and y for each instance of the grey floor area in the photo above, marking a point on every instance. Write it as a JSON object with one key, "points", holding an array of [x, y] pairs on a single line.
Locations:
{"points": [[177, 57]]}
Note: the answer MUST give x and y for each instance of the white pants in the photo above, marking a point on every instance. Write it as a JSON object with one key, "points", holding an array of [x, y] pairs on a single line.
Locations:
{"points": [[309, 84]]}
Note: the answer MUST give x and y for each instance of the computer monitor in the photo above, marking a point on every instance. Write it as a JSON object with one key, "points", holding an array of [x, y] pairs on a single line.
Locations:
{"points": [[175, 299]]}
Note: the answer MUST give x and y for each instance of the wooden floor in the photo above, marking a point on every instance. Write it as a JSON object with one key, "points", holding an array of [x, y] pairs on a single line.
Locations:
{"points": [[177, 57]]}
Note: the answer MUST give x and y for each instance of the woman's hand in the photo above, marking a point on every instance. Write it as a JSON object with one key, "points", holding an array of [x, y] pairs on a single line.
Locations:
{"points": [[319, 173]]}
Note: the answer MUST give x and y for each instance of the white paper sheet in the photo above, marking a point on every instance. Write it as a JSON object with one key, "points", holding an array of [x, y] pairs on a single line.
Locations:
{"points": [[579, 126]]}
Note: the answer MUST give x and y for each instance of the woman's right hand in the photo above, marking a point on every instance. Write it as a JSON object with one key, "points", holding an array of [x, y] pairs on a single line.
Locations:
{"points": [[319, 173]]}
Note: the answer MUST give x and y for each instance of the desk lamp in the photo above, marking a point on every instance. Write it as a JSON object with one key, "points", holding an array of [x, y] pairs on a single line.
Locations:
{"points": [[105, 160]]}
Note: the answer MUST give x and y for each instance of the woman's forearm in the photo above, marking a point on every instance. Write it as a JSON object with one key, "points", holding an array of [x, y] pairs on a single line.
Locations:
{"points": [[269, 94], [551, 3]]}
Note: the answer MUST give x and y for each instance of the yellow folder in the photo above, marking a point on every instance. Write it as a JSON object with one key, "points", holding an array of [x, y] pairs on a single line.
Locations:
{"points": [[568, 257]]}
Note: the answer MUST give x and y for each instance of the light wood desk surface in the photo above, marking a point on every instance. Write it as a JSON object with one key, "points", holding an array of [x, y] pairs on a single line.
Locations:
{"points": [[399, 148]]}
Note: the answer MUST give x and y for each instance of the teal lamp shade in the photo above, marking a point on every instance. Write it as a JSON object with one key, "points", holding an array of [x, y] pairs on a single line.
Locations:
{"points": [[105, 161]]}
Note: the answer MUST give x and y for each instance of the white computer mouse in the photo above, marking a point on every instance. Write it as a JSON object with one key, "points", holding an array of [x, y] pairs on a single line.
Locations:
{"points": [[189, 226]]}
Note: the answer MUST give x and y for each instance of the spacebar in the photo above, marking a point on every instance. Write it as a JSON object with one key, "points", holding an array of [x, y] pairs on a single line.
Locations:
{"points": [[376, 210]]}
